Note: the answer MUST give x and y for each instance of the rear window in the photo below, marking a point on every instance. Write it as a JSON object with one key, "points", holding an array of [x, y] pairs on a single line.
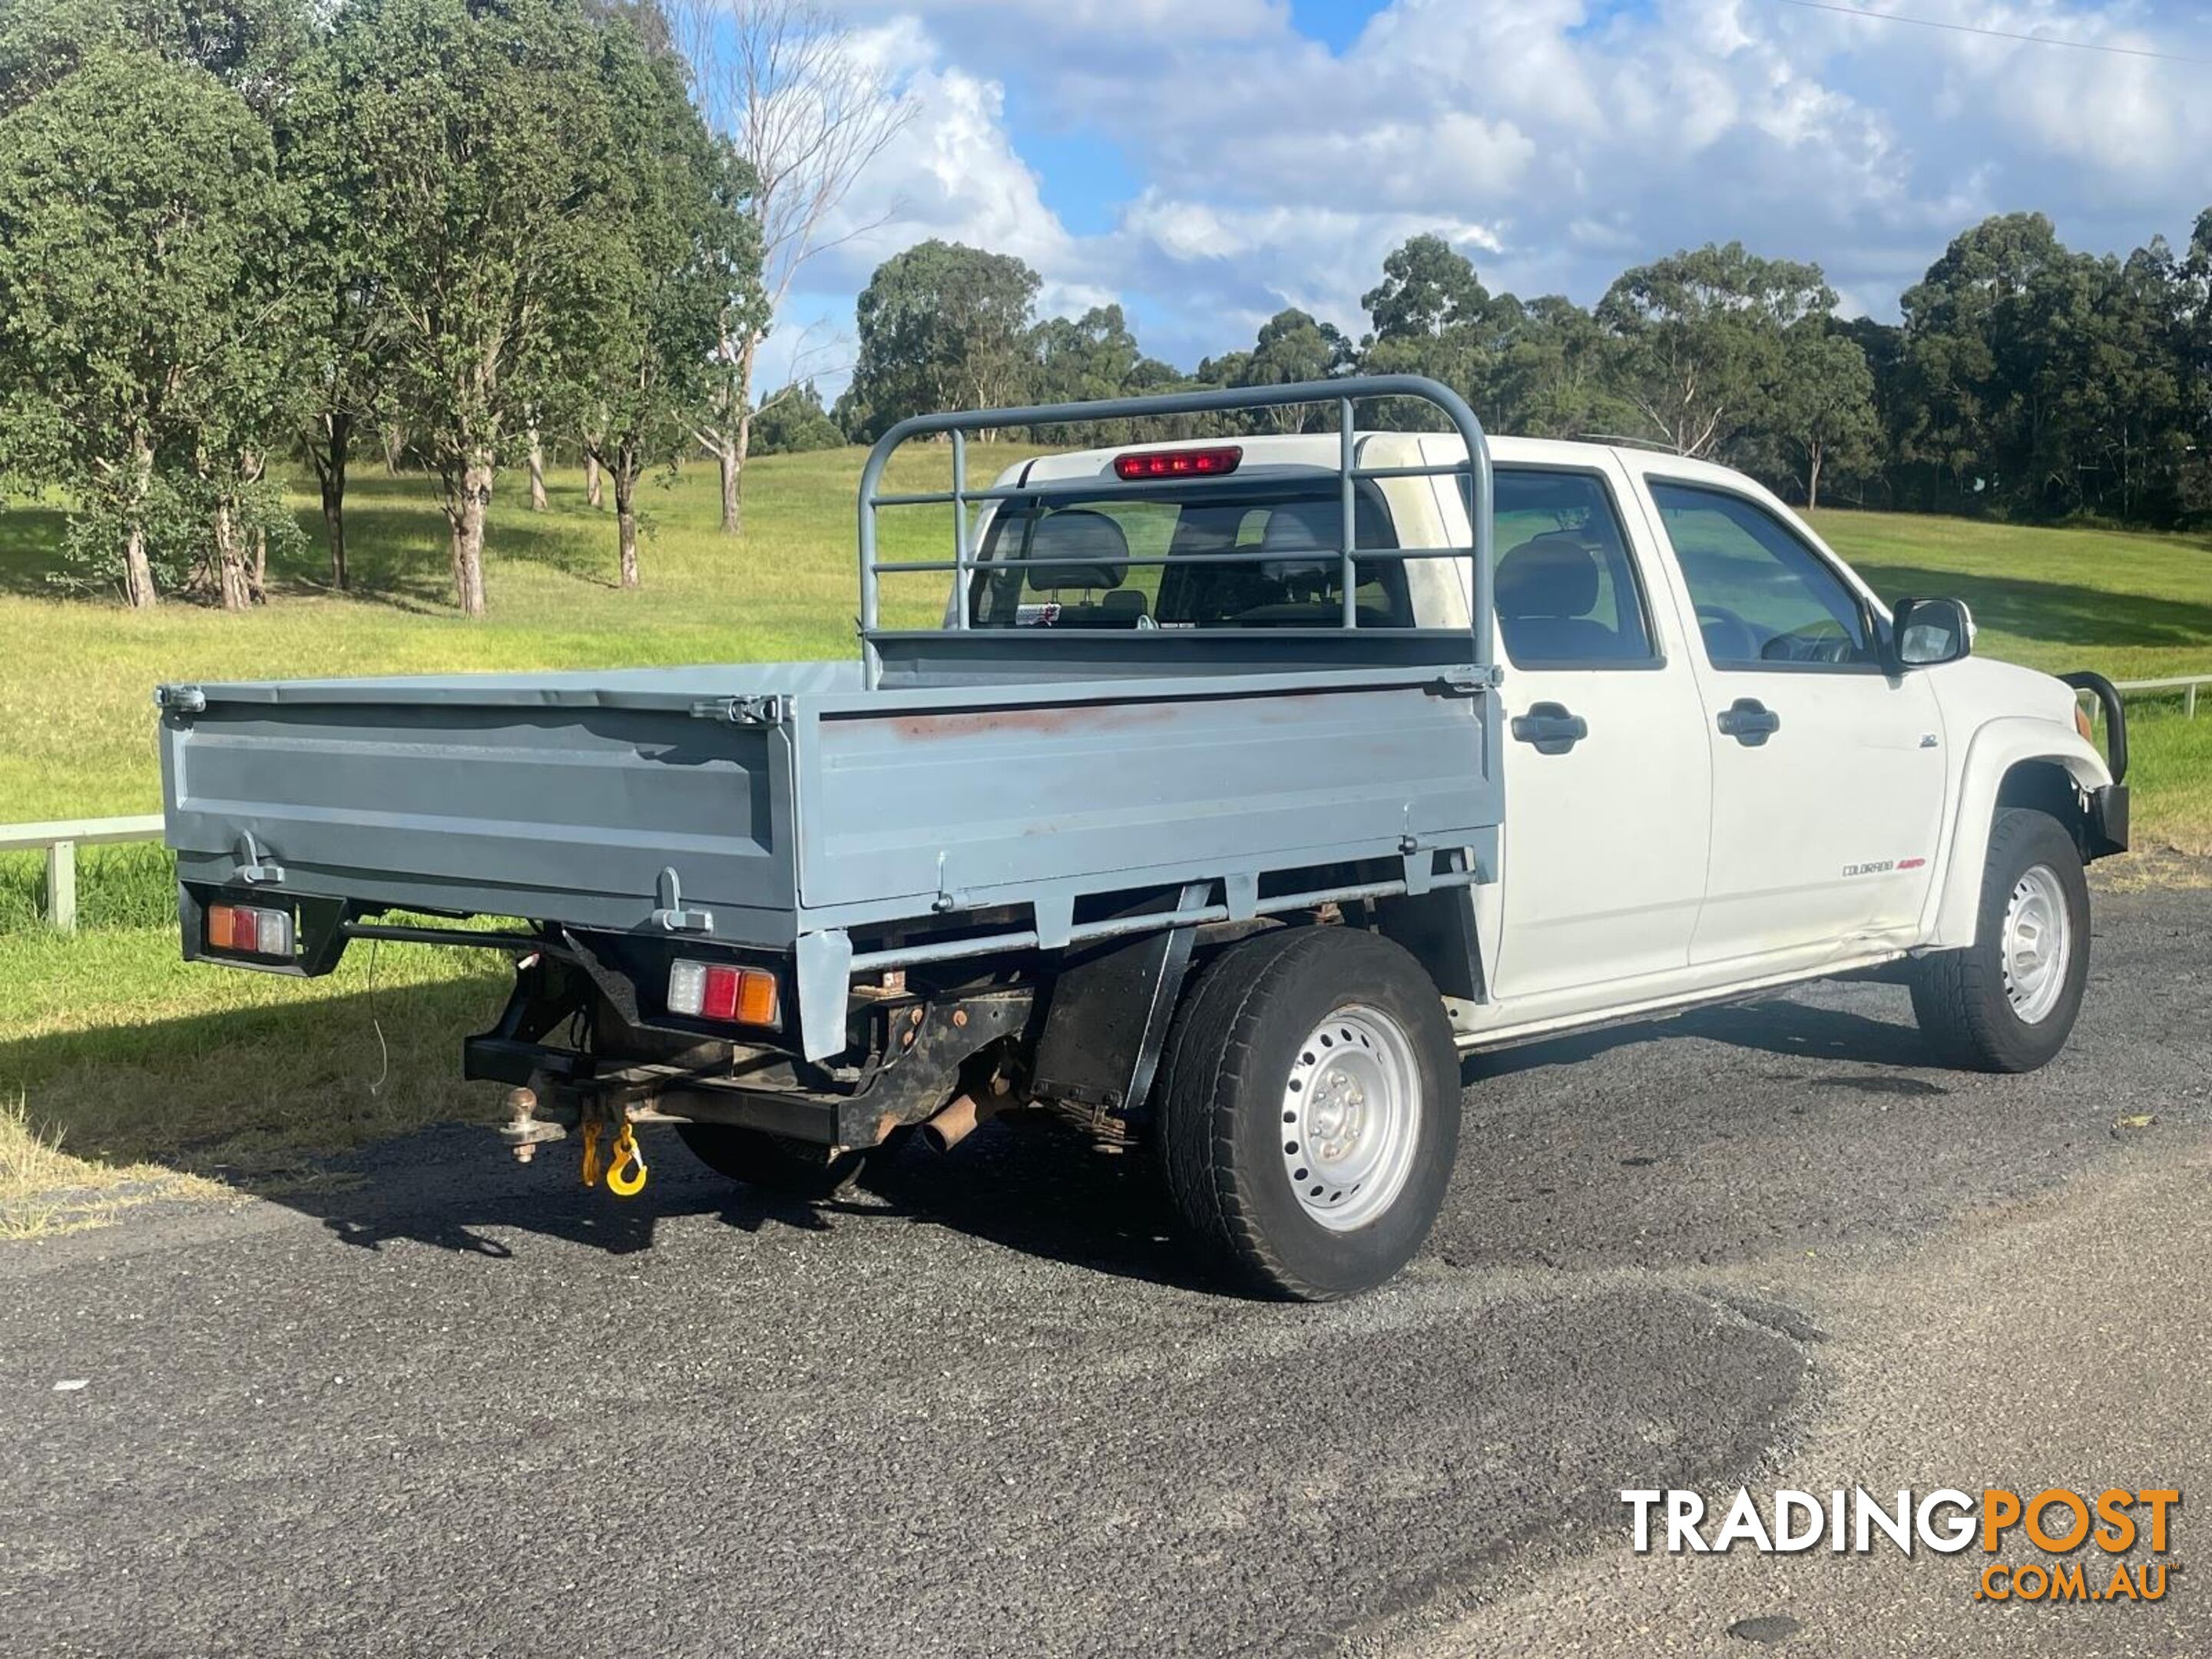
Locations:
{"points": [[1301, 585]]}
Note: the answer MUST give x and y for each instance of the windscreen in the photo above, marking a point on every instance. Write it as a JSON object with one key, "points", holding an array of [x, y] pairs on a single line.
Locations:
{"points": [[1095, 578]]}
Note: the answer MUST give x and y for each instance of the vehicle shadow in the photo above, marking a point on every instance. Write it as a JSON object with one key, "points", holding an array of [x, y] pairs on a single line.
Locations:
{"points": [[1035, 1186], [1774, 1025], [1031, 1184]]}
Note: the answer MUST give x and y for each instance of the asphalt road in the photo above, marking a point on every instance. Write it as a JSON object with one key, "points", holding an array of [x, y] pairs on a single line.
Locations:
{"points": [[985, 1408]]}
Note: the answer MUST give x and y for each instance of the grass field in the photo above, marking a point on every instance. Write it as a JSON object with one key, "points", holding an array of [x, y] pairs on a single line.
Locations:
{"points": [[140, 1068], [2128, 605]]}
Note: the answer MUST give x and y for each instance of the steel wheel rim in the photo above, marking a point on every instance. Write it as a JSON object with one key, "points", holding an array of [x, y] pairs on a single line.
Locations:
{"points": [[2037, 944], [1351, 1117]]}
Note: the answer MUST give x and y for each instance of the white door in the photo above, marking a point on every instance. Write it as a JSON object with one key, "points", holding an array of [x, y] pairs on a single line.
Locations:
{"points": [[1827, 769], [1604, 760]]}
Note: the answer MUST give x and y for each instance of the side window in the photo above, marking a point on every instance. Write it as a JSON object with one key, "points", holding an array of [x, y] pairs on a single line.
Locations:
{"points": [[1764, 598], [1567, 587]]}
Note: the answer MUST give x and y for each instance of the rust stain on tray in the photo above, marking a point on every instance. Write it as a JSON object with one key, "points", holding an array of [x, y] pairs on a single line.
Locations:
{"points": [[1045, 722]]}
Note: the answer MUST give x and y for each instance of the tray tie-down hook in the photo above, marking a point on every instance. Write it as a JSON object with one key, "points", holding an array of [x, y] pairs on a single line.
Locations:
{"points": [[671, 915], [255, 867]]}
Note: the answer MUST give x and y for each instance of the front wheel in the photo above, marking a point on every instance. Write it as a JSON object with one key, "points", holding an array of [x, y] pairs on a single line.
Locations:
{"points": [[1308, 1111], [2008, 1001]]}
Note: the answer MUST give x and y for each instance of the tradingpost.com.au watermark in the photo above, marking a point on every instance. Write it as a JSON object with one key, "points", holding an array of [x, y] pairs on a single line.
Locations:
{"points": [[2053, 1526]]}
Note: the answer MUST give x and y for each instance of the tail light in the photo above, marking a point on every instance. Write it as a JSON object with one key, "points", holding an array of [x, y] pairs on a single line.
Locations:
{"points": [[727, 995], [249, 930], [1179, 462]]}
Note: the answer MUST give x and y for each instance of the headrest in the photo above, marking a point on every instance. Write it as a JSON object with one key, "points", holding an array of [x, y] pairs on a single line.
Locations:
{"points": [[1078, 533], [1547, 576], [1303, 527]]}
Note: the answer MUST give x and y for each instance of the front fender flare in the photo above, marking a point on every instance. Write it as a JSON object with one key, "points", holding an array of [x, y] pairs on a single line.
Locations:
{"points": [[1998, 746]]}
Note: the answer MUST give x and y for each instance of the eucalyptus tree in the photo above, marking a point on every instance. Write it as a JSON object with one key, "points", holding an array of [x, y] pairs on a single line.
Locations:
{"points": [[2193, 332], [809, 109], [476, 148], [141, 319], [675, 253], [1819, 415], [942, 325], [795, 421], [1077, 359], [349, 337], [255, 47], [1432, 316], [1699, 338]]}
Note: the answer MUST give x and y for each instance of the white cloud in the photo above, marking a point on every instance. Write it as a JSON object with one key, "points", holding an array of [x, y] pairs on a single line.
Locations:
{"points": [[1555, 140], [1054, 19], [950, 172]]}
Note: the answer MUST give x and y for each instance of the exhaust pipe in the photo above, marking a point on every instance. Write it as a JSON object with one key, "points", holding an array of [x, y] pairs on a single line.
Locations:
{"points": [[956, 1122]]}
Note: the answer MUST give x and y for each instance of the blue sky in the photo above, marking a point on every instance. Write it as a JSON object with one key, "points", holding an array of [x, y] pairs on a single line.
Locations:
{"points": [[1335, 23], [1206, 162]]}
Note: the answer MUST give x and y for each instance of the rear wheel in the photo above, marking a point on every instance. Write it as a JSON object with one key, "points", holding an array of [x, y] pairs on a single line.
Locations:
{"points": [[777, 1163], [2007, 1002], [1308, 1111]]}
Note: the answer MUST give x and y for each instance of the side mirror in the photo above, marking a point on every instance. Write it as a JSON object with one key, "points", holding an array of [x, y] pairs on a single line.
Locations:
{"points": [[1929, 632]]}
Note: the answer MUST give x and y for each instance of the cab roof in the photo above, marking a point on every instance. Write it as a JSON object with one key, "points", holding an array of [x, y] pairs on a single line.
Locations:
{"points": [[1321, 449]]}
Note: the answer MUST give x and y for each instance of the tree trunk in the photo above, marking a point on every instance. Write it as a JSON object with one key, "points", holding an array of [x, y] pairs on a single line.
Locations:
{"points": [[476, 502], [1813, 480], [725, 461], [592, 492], [137, 569], [733, 475], [230, 560], [467, 498], [625, 470], [395, 449], [330, 464], [537, 472], [253, 467]]}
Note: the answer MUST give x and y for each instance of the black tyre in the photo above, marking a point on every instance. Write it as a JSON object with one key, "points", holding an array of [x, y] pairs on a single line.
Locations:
{"points": [[777, 1163], [1308, 1111], [2007, 1002]]}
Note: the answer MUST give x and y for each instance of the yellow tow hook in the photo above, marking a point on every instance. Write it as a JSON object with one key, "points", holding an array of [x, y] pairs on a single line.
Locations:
{"points": [[626, 1157], [591, 1127]]}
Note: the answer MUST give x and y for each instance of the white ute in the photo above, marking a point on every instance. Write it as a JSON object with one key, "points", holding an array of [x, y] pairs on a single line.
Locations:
{"points": [[1251, 781], [1733, 766]]}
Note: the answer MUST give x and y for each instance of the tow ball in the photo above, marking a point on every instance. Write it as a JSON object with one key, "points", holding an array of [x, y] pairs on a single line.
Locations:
{"points": [[524, 1132]]}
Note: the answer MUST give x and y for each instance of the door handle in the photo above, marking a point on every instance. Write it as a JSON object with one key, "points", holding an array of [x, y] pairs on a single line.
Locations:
{"points": [[1749, 722], [1550, 728]]}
